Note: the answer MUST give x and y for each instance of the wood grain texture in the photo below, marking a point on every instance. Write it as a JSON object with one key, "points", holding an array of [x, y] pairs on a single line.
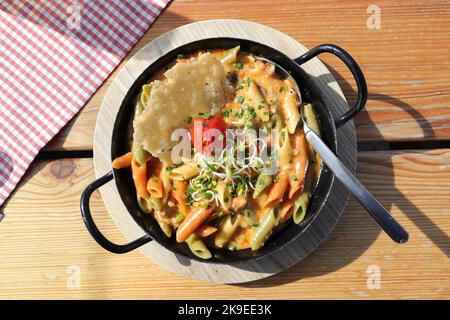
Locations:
{"points": [[242, 271], [406, 62], [42, 235]]}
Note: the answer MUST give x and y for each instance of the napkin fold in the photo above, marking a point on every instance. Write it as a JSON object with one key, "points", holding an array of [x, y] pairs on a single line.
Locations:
{"points": [[53, 57]]}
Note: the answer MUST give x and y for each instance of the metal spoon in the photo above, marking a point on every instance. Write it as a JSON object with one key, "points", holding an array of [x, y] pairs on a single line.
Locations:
{"points": [[381, 216]]}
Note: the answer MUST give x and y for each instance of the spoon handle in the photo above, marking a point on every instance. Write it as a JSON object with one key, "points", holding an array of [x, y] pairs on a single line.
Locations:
{"points": [[381, 216]]}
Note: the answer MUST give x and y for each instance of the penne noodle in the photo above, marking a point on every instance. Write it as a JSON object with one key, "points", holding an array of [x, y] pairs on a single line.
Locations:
{"points": [[192, 221], [301, 205], [254, 97], [284, 151], [155, 203], [179, 194], [185, 171], [198, 248], [262, 183], [165, 227], [268, 221], [140, 154], [223, 195], [230, 55], [287, 209], [205, 231], [277, 190], [311, 118], [299, 164], [166, 182], [144, 204], [123, 161], [289, 109], [313, 122], [140, 178], [226, 230], [154, 187]]}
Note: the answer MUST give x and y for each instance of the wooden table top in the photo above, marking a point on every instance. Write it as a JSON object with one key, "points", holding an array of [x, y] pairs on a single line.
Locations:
{"points": [[404, 159]]}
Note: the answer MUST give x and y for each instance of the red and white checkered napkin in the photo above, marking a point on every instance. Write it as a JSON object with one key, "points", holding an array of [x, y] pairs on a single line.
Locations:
{"points": [[54, 55]]}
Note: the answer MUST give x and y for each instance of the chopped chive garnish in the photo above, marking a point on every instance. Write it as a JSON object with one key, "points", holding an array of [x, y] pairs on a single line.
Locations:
{"points": [[155, 179], [207, 116], [282, 89], [294, 178], [241, 99], [189, 119], [238, 65], [249, 81], [180, 56]]}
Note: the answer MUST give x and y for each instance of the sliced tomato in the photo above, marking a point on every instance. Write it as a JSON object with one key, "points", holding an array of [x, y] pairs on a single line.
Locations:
{"points": [[199, 129]]}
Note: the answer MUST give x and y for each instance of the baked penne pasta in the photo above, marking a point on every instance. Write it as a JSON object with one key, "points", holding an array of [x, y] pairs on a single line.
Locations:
{"points": [[235, 187]]}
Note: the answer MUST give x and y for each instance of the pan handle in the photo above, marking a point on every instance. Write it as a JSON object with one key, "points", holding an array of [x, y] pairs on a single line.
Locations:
{"points": [[92, 228], [355, 70]]}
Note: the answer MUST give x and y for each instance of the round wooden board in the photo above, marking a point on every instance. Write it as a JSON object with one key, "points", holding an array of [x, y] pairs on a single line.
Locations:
{"points": [[222, 273]]}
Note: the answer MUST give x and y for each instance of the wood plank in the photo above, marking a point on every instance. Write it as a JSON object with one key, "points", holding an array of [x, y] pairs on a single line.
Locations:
{"points": [[406, 62], [43, 239]]}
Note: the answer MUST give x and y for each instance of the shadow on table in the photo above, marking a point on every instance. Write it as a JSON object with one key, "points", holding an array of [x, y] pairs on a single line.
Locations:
{"points": [[346, 242]]}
